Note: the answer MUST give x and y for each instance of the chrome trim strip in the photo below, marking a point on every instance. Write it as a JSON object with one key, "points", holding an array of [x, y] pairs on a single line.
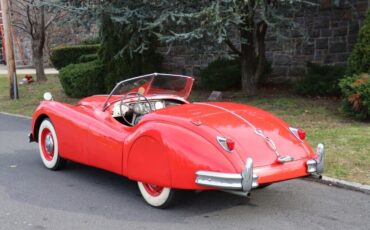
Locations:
{"points": [[219, 180], [247, 175], [242, 182], [284, 159], [219, 175], [255, 181], [222, 142], [320, 160], [311, 166]]}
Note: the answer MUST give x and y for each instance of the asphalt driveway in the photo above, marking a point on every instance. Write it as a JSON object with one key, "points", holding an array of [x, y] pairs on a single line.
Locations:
{"points": [[80, 197]]}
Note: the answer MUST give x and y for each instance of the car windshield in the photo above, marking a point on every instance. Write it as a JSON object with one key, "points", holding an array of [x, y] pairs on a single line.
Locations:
{"points": [[155, 84]]}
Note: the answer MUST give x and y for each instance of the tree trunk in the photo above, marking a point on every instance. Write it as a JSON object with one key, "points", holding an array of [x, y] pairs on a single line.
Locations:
{"points": [[38, 43], [249, 81], [252, 56], [38, 60]]}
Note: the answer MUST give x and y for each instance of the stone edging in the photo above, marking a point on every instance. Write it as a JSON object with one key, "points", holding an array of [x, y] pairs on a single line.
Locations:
{"points": [[15, 115], [341, 184]]}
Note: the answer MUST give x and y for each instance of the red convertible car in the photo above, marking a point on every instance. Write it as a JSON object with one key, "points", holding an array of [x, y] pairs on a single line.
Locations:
{"points": [[146, 130]]}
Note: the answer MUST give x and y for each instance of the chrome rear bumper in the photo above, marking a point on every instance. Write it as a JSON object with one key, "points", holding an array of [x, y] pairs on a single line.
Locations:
{"points": [[238, 182], [316, 166], [242, 183]]}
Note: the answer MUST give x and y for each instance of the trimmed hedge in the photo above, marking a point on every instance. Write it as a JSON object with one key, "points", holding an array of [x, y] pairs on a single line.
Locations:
{"points": [[88, 58], [84, 79], [221, 74], [321, 80], [63, 56], [359, 61], [356, 95]]}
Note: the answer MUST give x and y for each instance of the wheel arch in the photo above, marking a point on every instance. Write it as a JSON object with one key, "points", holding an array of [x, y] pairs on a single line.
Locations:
{"points": [[37, 125]]}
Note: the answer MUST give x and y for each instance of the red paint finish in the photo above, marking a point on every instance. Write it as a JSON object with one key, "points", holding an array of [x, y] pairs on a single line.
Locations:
{"points": [[46, 133], [170, 145], [153, 190]]}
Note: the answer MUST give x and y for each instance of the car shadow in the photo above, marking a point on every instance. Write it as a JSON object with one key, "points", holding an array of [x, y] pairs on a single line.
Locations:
{"points": [[87, 190]]}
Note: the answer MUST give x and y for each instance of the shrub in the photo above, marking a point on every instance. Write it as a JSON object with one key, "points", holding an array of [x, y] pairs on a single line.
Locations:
{"points": [[359, 60], [88, 58], [221, 74], [91, 41], [61, 57], [320, 80], [81, 80], [356, 95]]}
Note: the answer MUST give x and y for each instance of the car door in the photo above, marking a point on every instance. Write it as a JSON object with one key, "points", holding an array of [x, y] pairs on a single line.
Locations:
{"points": [[105, 142]]}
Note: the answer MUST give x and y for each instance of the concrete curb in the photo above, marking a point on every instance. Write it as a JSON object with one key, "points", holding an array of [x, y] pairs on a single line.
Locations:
{"points": [[341, 184], [15, 115]]}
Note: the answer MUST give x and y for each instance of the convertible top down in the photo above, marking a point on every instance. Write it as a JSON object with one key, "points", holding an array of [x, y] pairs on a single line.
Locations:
{"points": [[146, 130]]}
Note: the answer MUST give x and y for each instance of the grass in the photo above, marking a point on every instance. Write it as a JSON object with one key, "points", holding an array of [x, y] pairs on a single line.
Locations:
{"points": [[346, 140], [30, 95]]}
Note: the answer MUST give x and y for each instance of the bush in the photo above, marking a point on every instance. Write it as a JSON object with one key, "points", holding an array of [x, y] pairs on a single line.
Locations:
{"points": [[61, 57], [91, 41], [88, 58], [356, 95], [359, 60], [81, 80], [221, 75], [320, 80]]}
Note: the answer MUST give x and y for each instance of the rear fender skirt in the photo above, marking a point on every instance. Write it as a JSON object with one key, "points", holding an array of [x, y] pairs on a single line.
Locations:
{"points": [[172, 156]]}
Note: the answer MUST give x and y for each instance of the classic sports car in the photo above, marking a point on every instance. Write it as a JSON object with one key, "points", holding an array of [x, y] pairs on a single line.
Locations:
{"points": [[146, 130]]}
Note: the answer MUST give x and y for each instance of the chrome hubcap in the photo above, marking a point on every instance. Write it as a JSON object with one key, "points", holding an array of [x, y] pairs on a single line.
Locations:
{"points": [[49, 143]]}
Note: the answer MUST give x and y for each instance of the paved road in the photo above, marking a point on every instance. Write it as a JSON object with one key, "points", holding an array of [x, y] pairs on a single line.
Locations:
{"points": [[80, 197]]}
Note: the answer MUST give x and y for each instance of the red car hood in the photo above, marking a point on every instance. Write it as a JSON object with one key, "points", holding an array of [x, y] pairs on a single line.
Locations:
{"points": [[239, 122]]}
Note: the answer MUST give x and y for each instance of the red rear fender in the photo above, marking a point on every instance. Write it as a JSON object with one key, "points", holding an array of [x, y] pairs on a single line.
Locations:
{"points": [[169, 155]]}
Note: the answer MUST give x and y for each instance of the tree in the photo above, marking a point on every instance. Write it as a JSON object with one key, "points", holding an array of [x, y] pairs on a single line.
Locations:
{"points": [[240, 25], [34, 18]]}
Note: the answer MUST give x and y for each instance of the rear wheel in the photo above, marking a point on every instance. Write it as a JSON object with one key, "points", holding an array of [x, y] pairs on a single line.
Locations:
{"points": [[48, 146], [158, 196]]}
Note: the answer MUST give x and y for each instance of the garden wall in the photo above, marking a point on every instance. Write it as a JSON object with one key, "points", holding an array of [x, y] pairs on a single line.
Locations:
{"points": [[330, 35]]}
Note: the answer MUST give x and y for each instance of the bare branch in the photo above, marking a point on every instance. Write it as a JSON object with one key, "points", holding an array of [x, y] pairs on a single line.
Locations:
{"points": [[55, 17], [30, 21], [19, 26]]}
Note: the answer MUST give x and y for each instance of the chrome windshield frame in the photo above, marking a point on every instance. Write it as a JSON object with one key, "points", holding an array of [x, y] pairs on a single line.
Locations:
{"points": [[106, 103]]}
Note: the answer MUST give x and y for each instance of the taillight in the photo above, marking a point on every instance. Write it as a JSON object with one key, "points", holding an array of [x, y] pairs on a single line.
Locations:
{"points": [[302, 134], [299, 133], [226, 143], [230, 144]]}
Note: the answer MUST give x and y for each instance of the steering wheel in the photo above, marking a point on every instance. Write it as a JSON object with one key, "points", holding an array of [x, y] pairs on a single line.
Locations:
{"points": [[137, 108]]}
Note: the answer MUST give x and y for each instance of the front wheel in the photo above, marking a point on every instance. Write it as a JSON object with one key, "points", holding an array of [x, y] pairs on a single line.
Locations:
{"points": [[48, 146], [157, 196]]}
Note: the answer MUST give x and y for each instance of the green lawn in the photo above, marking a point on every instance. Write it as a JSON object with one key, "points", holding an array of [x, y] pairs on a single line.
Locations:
{"points": [[347, 141], [30, 95]]}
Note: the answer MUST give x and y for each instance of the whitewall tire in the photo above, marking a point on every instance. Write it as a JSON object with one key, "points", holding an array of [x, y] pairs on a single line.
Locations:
{"points": [[48, 146], [156, 196]]}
